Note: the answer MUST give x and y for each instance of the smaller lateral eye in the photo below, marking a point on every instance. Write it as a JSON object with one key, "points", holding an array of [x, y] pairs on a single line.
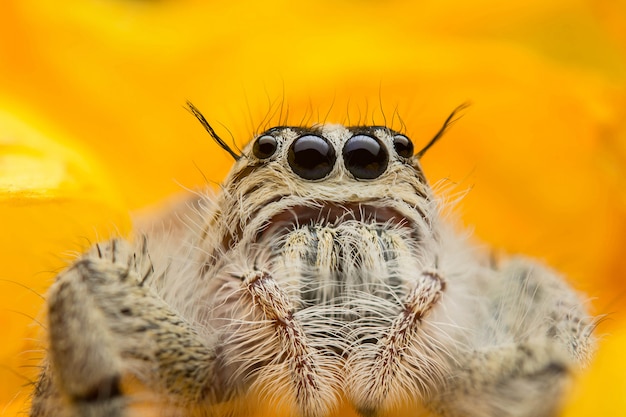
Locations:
{"points": [[265, 146], [403, 146]]}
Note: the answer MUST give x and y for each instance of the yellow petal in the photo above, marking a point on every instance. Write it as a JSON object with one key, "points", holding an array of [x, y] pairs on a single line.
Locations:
{"points": [[54, 201], [544, 147]]}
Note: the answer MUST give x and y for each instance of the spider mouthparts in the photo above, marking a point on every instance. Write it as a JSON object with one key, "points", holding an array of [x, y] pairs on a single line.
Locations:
{"points": [[332, 214]]}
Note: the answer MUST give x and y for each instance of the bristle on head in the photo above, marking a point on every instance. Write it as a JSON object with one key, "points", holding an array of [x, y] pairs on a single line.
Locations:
{"points": [[449, 121], [194, 110]]}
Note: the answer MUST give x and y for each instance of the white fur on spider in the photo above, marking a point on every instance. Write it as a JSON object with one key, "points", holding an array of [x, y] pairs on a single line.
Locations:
{"points": [[304, 286]]}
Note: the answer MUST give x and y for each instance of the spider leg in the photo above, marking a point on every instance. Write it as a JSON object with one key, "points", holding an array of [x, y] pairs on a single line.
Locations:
{"points": [[106, 328], [376, 373], [298, 367], [535, 334]]}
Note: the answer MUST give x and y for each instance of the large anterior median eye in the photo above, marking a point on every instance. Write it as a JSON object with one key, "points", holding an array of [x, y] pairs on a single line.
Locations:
{"points": [[311, 157], [265, 146], [365, 157]]}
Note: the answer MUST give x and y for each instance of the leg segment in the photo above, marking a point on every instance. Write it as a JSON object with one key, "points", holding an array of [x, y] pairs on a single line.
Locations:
{"points": [[106, 327], [392, 364], [297, 365], [535, 333]]}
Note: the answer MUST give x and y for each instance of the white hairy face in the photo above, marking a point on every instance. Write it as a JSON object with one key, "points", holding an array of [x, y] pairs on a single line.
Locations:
{"points": [[294, 179], [340, 220]]}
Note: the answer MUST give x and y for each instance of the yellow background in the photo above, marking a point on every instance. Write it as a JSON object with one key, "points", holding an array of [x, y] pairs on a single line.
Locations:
{"points": [[92, 126]]}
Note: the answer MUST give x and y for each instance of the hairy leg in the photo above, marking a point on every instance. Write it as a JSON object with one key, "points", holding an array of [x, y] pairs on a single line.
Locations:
{"points": [[379, 372], [105, 327], [298, 369], [535, 333]]}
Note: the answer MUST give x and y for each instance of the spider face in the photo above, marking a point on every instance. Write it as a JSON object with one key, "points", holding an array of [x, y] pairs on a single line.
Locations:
{"points": [[325, 176], [340, 221], [336, 223]]}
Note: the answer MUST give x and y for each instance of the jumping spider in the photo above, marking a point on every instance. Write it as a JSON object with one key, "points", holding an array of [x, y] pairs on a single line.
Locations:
{"points": [[321, 278]]}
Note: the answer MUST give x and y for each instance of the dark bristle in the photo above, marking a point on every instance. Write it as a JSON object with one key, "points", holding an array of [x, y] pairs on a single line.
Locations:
{"points": [[449, 121], [194, 110]]}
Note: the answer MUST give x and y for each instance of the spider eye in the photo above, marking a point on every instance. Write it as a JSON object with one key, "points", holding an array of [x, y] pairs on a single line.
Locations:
{"points": [[265, 146], [365, 157], [311, 157], [403, 146]]}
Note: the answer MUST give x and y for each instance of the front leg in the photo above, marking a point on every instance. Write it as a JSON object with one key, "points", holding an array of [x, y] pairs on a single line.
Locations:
{"points": [[402, 357], [107, 328], [535, 335], [306, 378]]}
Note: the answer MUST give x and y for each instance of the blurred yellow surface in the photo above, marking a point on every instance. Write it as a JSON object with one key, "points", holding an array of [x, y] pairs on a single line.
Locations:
{"points": [[54, 201], [92, 126]]}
